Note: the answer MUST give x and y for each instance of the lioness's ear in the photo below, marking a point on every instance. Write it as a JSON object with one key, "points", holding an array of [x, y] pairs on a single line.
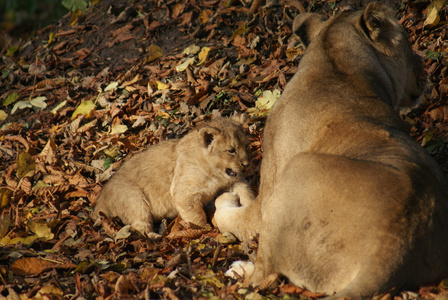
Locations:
{"points": [[380, 24], [207, 135], [306, 26]]}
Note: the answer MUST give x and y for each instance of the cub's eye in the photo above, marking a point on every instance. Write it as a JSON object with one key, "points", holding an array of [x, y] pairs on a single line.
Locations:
{"points": [[232, 151]]}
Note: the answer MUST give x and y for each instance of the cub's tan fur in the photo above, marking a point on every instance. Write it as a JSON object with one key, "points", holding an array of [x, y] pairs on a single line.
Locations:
{"points": [[349, 203], [177, 176]]}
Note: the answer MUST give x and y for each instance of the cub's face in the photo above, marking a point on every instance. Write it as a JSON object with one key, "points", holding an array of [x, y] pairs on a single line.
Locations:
{"points": [[226, 147]]}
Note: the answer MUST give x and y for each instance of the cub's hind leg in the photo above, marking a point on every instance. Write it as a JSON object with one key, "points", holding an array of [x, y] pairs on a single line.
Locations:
{"points": [[129, 203]]}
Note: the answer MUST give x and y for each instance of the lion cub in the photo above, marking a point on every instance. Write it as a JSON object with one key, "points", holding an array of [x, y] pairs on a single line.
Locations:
{"points": [[177, 176]]}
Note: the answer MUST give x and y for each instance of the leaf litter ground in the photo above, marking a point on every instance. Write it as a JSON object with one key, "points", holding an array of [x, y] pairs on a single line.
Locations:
{"points": [[85, 93]]}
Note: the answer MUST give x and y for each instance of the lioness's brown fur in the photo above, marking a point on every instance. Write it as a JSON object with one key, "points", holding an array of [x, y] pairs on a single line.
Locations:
{"points": [[349, 203], [177, 176]]}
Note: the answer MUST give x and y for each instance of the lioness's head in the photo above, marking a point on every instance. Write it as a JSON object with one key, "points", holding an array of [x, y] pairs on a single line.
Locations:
{"points": [[352, 38], [226, 147]]}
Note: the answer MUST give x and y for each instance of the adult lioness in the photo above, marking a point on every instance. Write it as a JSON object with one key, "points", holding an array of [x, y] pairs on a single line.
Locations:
{"points": [[349, 202]]}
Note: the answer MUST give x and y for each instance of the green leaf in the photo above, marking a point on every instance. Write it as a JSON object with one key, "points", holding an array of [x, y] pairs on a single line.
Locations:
{"points": [[73, 5], [40, 184], [11, 50], [432, 55], [107, 162], [11, 98]]}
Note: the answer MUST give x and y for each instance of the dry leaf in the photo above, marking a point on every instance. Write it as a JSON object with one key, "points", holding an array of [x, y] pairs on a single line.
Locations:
{"points": [[192, 49], [44, 292], [25, 164], [117, 129], [41, 229], [4, 225], [85, 108], [3, 115], [154, 52], [33, 266], [5, 197], [203, 55]]}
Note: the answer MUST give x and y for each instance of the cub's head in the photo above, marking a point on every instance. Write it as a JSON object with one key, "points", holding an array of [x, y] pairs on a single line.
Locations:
{"points": [[368, 40], [225, 146]]}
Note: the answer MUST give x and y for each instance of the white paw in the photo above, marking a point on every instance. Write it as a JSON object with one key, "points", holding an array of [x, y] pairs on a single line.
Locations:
{"points": [[240, 268], [226, 200]]}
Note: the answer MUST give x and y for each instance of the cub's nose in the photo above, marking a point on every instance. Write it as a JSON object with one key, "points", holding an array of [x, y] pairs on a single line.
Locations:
{"points": [[245, 165]]}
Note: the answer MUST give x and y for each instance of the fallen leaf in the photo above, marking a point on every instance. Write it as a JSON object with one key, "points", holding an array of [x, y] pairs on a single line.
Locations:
{"points": [[183, 66], [58, 107], [25, 164], [45, 292], [21, 105], [111, 86], [118, 129], [130, 82], [162, 86], [32, 266], [203, 55], [5, 197], [154, 52], [205, 15], [433, 18], [123, 233], [11, 98], [73, 5], [4, 225], [41, 229], [192, 49], [239, 31], [177, 10], [3, 115], [85, 108]]}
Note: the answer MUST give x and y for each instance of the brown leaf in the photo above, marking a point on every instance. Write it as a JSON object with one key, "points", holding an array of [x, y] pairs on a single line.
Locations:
{"points": [[26, 185], [32, 266], [189, 233], [49, 151], [177, 10]]}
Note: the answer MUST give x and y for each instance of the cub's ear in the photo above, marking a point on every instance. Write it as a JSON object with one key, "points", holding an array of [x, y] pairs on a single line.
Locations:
{"points": [[306, 26], [239, 118], [208, 135], [380, 25]]}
